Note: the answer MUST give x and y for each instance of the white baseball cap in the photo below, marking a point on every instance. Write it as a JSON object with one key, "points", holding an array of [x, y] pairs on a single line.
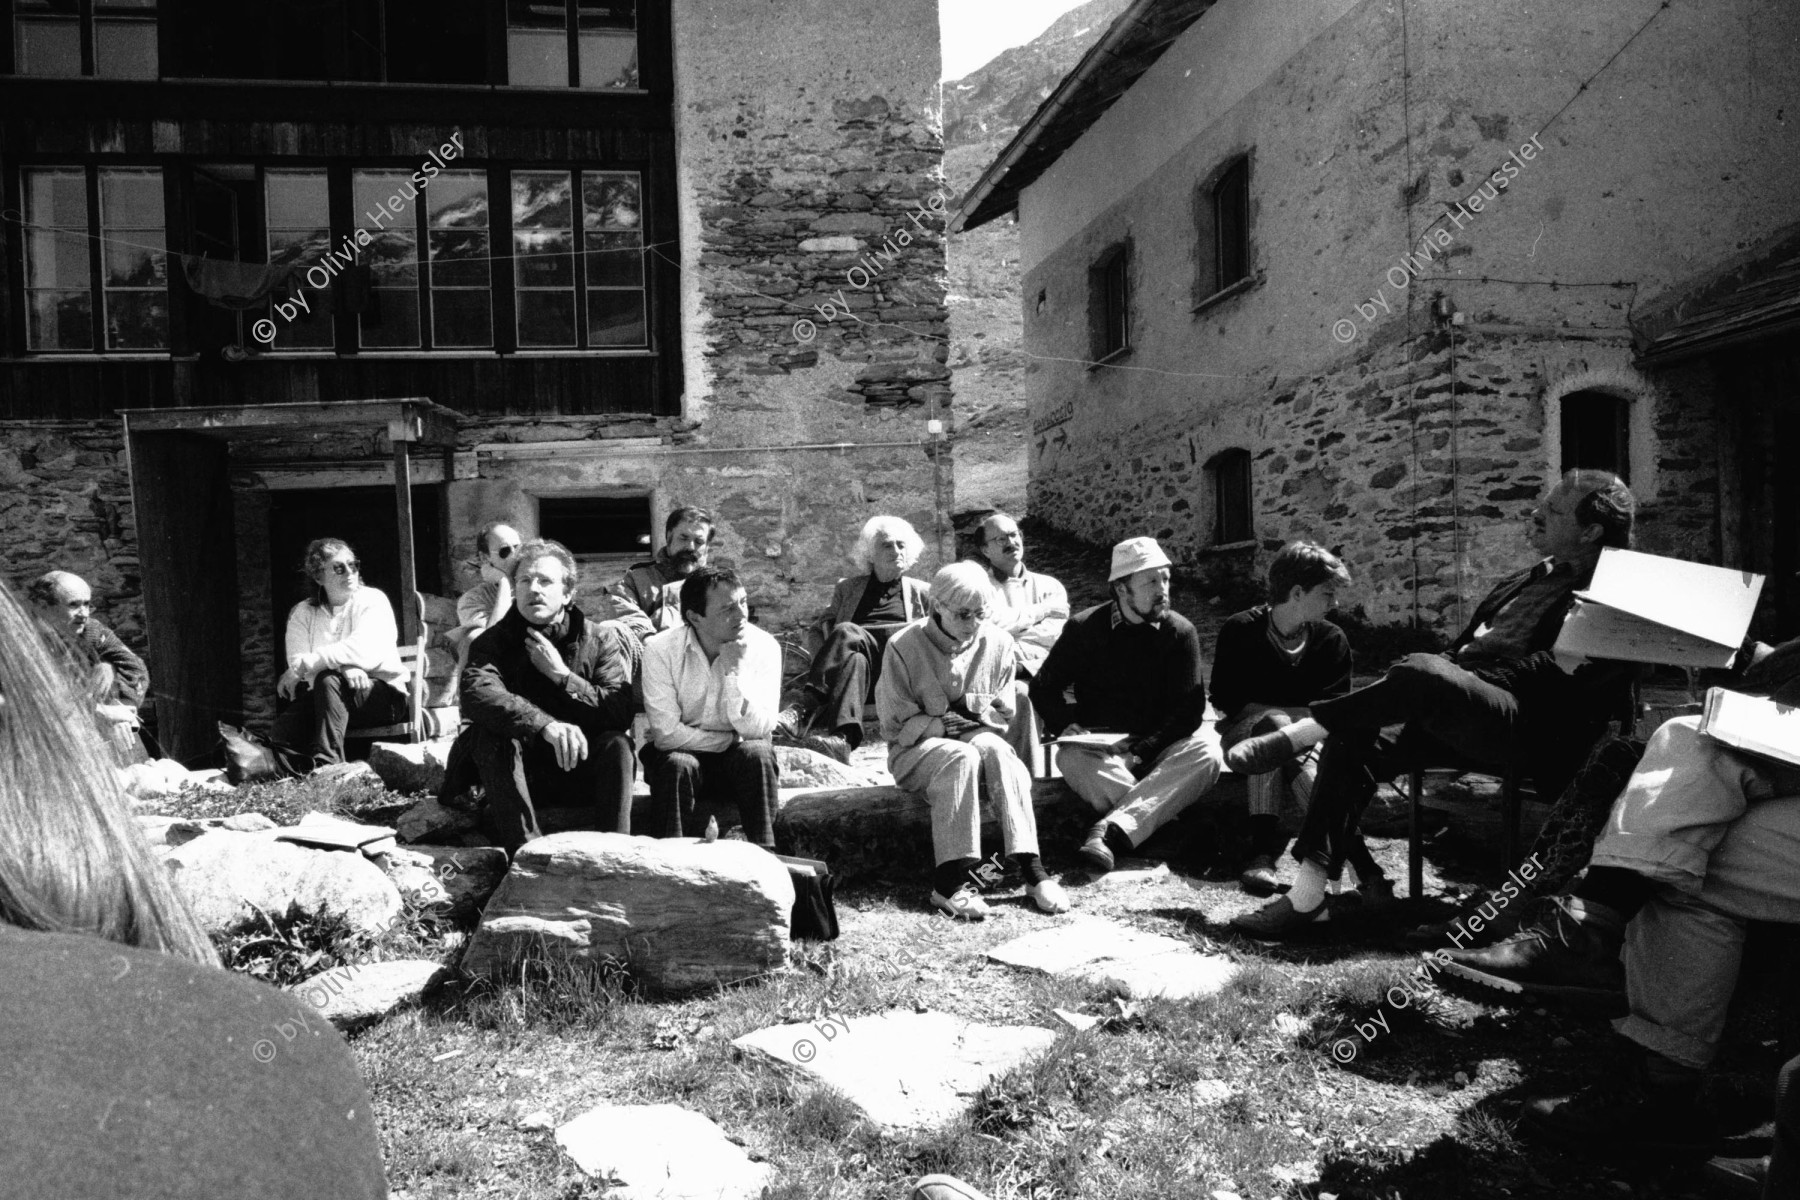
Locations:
{"points": [[1136, 554]]}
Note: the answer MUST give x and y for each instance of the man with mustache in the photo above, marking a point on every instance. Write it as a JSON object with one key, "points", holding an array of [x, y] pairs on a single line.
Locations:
{"points": [[648, 599]]}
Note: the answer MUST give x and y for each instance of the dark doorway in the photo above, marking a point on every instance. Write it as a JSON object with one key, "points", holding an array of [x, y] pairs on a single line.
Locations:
{"points": [[1596, 432], [363, 517]]}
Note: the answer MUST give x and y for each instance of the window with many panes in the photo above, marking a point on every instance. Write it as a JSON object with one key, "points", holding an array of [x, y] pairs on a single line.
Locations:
{"points": [[450, 215], [572, 43], [111, 39], [578, 259], [100, 252], [298, 208]]}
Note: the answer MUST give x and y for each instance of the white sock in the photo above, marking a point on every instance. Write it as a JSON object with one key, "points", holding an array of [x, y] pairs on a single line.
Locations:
{"points": [[1308, 891]]}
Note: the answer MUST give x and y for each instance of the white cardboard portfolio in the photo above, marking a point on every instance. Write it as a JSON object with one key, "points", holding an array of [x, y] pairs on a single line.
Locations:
{"points": [[1647, 608]]}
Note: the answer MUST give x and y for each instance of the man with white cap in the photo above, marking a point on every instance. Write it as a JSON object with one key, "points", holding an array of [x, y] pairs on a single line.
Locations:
{"points": [[1133, 667]]}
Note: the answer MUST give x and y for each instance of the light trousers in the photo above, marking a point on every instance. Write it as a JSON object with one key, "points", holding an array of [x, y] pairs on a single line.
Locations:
{"points": [[955, 777], [1139, 807]]}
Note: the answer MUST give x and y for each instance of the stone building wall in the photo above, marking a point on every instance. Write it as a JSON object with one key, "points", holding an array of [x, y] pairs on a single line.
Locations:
{"points": [[1425, 484], [1366, 425], [65, 505]]}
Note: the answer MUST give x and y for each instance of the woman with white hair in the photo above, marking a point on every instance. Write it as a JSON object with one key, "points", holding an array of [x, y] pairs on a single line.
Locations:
{"points": [[946, 697], [131, 1064], [865, 611]]}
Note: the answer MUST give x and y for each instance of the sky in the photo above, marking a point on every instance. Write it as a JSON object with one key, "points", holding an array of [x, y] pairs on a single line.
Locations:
{"points": [[974, 31]]}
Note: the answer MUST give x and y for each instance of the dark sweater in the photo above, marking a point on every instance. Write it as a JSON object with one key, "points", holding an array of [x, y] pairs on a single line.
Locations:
{"points": [[1248, 670], [133, 1074], [504, 693], [1144, 680]]}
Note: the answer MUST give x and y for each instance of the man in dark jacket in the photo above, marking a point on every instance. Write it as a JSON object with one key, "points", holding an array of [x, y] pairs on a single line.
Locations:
{"points": [[1133, 667], [548, 695], [648, 599], [1496, 696], [105, 669]]}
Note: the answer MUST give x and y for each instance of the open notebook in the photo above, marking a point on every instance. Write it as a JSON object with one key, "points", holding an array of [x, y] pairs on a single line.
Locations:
{"points": [[1647, 608], [1753, 724]]}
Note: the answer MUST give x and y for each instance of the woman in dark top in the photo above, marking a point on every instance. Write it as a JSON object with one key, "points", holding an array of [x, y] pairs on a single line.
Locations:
{"points": [[132, 1065], [1271, 663]]}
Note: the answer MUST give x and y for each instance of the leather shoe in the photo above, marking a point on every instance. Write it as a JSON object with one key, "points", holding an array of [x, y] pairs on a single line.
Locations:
{"points": [[1265, 752], [1558, 955], [1095, 852], [1258, 877], [1738, 1176], [1278, 919], [1627, 1116]]}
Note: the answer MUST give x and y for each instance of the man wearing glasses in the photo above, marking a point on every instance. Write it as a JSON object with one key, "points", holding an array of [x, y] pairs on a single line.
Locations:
{"points": [[343, 662], [481, 607], [1133, 668]]}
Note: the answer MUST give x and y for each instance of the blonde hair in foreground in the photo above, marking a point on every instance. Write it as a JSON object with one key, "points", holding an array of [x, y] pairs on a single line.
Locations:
{"points": [[72, 857]]}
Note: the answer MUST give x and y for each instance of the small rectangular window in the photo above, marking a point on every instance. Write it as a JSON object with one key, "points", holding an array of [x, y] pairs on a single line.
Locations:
{"points": [[572, 43], [1231, 223], [1109, 303], [1230, 471], [598, 526], [49, 36]]}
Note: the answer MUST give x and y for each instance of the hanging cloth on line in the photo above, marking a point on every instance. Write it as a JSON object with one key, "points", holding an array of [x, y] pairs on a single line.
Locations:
{"points": [[236, 285]]}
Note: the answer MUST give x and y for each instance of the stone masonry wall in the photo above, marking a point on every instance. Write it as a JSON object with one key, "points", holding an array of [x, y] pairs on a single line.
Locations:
{"points": [[1412, 471], [65, 504]]}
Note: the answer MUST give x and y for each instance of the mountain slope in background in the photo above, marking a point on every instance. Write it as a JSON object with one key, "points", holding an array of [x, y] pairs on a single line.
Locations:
{"points": [[982, 112]]}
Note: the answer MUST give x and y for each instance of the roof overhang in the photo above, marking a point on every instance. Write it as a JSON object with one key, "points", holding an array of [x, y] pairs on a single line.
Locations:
{"points": [[1129, 47], [414, 420], [1750, 300]]}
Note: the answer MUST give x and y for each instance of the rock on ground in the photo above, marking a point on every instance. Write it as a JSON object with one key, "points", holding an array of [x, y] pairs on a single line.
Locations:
{"points": [[1105, 952], [411, 766], [225, 877], [363, 992], [457, 878], [661, 1152], [903, 1070], [429, 821], [803, 768], [684, 914]]}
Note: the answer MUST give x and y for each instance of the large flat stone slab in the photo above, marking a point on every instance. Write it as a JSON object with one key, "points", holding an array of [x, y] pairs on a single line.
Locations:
{"points": [[683, 914], [227, 877], [1105, 952], [661, 1152], [903, 1070], [355, 995]]}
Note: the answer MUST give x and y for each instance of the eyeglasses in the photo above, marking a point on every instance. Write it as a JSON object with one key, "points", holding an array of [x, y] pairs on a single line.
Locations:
{"points": [[344, 569], [967, 614], [504, 552]]}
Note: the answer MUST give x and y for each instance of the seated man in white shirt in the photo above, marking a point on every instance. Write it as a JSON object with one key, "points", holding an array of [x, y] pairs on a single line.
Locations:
{"points": [[712, 691], [343, 662], [1030, 606]]}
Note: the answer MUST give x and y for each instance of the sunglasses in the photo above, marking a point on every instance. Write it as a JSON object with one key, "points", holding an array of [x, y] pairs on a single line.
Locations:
{"points": [[967, 614], [344, 569], [504, 552]]}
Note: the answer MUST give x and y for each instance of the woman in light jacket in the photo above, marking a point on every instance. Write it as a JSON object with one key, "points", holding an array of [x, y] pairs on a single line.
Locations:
{"points": [[946, 697], [343, 662]]}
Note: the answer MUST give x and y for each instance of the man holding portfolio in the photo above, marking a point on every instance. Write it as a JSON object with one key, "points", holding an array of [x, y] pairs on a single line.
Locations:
{"points": [[1496, 696]]}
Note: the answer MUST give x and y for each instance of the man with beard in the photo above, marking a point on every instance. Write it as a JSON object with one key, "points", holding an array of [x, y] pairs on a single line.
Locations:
{"points": [[1134, 666], [648, 599], [548, 695], [1033, 608], [109, 674]]}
